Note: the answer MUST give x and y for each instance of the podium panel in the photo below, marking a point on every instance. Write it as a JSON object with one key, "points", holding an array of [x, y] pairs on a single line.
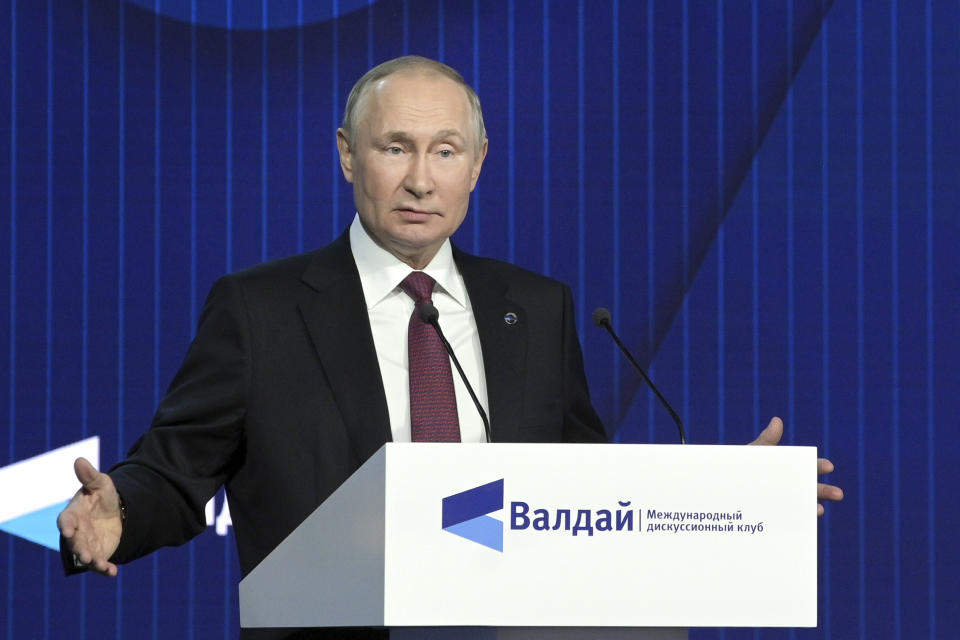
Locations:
{"points": [[552, 535], [536, 633]]}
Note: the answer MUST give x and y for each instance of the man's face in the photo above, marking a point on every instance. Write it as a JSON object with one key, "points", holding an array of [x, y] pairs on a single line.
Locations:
{"points": [[413, 163]]}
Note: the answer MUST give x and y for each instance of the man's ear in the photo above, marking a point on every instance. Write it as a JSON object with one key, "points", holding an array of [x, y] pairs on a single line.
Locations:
{"points": [[477, 165], [346, 155]]}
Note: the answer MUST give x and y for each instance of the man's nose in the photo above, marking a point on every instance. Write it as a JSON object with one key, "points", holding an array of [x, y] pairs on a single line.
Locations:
{"points": [[419, 178]]}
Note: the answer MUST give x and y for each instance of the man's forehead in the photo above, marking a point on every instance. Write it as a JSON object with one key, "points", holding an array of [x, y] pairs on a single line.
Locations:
{"points": [[408, 77], [411, 96]]}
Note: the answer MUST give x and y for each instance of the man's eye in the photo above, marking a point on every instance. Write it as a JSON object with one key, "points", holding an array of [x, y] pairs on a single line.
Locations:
{"points": [[446, 153], [394, 150]]}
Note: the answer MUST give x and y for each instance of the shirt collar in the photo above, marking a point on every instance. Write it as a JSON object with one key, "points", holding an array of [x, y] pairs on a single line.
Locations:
{"points": [[381, 272]]}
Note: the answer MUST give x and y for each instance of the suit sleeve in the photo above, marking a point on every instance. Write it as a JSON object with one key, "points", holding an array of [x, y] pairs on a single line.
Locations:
{"points": [[196, 439], [580, 420]]}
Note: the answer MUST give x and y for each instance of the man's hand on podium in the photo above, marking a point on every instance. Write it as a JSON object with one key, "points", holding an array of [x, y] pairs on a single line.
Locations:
{"points": [[771, 436], [93, 521]]}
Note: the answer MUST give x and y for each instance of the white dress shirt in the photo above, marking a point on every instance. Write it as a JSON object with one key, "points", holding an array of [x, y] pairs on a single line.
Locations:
{"points": [[389, 310]]}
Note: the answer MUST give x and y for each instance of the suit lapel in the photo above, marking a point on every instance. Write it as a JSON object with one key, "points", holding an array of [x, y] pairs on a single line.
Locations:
{"points": [[335, 313], [504, 345]]}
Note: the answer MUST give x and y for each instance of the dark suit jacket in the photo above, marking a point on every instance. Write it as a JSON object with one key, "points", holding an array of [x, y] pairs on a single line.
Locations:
{"points": [[280, 396]]}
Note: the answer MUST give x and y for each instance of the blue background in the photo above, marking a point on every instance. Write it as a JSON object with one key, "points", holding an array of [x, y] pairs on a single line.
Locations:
{"points": [[763, 193]]}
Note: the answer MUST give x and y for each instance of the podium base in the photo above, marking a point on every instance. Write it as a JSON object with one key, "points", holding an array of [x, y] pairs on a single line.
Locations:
{"points": [[536, 633]]}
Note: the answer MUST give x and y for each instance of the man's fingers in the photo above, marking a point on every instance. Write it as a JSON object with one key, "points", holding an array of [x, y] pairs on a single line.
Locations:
{"points": [[102, 566], [829, 492], [824, 466], [771, 435], [89, 553], [105, 568], [826, 491], [67, 523], [86, 472]]}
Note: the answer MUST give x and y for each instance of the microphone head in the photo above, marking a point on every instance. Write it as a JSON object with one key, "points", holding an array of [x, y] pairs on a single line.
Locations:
{"points": [[601, 316], [429, 313]]}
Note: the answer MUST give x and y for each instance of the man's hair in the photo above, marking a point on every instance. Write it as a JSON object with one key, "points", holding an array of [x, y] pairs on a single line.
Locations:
{"points": [[358, 95]]}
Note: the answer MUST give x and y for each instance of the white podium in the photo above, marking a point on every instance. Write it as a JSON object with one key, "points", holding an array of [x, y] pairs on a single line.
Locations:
{"points": [[552, 540]]}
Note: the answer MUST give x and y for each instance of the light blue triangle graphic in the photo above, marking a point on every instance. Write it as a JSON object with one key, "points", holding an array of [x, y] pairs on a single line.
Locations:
{"points": [[482, 530], [37, 526]]}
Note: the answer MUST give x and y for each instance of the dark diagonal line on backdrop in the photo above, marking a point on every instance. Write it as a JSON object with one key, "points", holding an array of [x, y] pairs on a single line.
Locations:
{"points": [[775, 81]]}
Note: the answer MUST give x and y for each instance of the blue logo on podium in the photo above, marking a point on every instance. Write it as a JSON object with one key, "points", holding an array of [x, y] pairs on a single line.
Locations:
{"points": [[465, 514]]}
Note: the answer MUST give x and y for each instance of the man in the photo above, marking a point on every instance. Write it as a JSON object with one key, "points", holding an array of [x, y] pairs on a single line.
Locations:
{"points": [[300, 368]]}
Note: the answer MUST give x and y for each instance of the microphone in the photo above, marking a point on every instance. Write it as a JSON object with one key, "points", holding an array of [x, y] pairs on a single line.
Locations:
{"points": [[601, 318], [430, 315]]}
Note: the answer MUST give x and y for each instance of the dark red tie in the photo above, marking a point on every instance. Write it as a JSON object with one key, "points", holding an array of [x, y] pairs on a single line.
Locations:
{"points": [[433, 403]]}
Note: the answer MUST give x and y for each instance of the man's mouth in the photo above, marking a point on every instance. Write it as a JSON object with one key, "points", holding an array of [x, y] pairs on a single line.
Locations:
{"points": [[414, 213]]}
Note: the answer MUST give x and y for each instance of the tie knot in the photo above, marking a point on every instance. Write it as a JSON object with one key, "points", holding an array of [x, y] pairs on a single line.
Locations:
{"points": [[418, 286]]}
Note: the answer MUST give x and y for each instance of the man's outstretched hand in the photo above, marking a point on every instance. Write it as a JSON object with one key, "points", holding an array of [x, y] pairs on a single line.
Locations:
{"points": [[771, 436], [92, 523]]}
